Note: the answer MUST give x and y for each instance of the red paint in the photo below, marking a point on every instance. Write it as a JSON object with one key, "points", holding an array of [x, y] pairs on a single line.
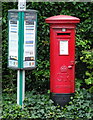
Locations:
{"points": [[62, 67]]}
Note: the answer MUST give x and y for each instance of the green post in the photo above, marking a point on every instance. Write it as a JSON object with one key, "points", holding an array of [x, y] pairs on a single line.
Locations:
{"points": [[21, 73], [20, 87], [22, 44]]}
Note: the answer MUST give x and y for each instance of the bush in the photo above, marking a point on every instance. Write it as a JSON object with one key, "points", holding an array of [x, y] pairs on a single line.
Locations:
{"points": [[39, 78], [88, 59], [38, 106]]}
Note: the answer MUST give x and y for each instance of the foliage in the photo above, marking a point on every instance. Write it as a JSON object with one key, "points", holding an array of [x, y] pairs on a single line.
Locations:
{"points": [[8, 76], [38, 79], [39, 106], [88, 59]]}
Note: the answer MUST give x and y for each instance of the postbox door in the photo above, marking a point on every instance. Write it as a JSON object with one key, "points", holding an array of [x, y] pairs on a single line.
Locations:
{"points": [[64, 59]]}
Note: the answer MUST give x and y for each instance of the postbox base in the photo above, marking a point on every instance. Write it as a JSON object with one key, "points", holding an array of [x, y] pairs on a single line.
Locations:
{"points": [[61, 99]]}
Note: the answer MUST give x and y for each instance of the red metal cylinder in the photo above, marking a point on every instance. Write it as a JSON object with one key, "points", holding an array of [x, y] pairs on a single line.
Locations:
{"points": [[62, 57]]}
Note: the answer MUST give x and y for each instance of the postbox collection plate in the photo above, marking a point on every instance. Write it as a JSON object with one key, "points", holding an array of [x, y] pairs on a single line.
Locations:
{"points": [[63, 47]]}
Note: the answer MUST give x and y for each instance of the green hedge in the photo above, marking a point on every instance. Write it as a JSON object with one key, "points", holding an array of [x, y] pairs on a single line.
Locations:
{"points": [[39, 78], [38, 105]]}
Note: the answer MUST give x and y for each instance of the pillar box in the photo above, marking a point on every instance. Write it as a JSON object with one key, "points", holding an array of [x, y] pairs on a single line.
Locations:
{"points": [[62, 57]]}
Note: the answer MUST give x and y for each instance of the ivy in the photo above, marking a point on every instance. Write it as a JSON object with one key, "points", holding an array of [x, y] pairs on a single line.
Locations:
{"points": [[40, 106]]}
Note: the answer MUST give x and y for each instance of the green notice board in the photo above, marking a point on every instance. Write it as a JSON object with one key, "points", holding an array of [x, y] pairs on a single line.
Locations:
{"points": [[22, 39]]}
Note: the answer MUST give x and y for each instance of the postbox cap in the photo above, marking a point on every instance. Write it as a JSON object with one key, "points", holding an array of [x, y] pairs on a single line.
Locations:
{"points": [[62, 19]]}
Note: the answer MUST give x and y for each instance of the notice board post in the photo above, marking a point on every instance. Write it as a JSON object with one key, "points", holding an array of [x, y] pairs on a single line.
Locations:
{"points": [[22, 29]]}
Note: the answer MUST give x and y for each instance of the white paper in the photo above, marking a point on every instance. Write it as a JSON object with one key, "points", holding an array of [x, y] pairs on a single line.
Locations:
{"points": [[29, 43], [13, 44], [64, 47]]}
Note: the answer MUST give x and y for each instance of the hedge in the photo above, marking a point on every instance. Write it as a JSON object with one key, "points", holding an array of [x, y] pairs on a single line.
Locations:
{"points": [[38, 79], [40, 76]]}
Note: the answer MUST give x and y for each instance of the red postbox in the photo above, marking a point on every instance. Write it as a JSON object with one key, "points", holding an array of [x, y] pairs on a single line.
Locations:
{"points": [[62, 57]]}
